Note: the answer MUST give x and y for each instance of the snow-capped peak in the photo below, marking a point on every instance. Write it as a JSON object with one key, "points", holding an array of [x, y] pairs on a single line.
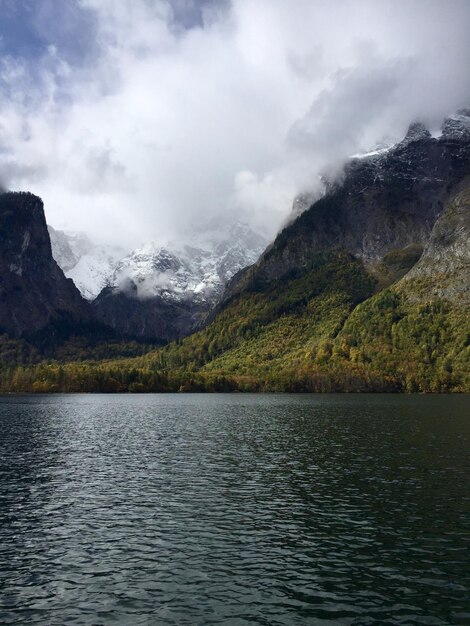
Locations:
{"points": [[192, 271], [457, 126], [195, 271]]}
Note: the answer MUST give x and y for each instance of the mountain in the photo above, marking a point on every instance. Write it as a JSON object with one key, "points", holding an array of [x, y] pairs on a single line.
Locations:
{"points": [[385, 203], [68, 248], [195, 272], [35, 295], [367, 289], [90, 266], [94, 270], [164, 292]]}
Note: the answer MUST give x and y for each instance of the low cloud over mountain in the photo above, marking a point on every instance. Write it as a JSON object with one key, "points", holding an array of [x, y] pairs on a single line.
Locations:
{"points": [[135, 120]]}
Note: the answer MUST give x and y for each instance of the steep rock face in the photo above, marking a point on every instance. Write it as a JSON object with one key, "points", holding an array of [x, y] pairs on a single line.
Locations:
{"points": [[443, 270], [33, 289], [457, 126], [387, 201]]}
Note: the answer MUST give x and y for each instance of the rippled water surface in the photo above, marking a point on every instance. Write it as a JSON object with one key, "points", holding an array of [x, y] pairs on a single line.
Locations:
{"points": [[234, 509]]}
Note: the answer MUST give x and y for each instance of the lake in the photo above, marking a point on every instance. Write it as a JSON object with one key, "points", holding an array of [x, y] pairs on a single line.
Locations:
{"points": [[234, 509]]}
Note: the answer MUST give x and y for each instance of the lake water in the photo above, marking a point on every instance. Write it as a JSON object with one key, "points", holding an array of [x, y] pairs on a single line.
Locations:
{"points": [[234, 509]]}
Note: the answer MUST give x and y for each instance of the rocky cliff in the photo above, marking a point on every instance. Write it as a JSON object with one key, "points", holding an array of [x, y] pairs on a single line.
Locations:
{"points": [[386, 203], [34, 293], [443, 271]]}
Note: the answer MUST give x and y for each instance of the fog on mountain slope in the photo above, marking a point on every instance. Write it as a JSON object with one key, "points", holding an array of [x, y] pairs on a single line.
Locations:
{"points": [[161, 294], [196, 272], [68, 248]]}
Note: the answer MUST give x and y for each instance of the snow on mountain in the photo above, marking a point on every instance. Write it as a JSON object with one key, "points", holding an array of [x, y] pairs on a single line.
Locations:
{"points": [[94, 270], [89, 266], [195, 271], [371, 153], [457, 126]]}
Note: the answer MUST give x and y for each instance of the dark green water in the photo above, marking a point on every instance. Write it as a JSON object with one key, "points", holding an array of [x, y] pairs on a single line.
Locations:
{"points": [[234, 509]]}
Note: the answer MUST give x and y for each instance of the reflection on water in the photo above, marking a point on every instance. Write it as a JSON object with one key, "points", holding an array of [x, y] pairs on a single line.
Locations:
{"points": [[234, 509]]}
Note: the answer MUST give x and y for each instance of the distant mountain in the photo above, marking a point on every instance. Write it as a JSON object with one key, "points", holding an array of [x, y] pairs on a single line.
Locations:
{"points": [[68, 248], [164, 292], [195, 272], [35, 295], [90, 266]]}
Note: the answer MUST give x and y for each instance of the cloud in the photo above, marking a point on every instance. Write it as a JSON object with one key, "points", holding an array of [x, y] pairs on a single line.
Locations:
{"points": [[148, 117]]}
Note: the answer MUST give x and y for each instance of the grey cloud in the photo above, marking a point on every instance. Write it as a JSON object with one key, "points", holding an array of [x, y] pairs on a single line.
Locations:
{"points": [[186, 110], [18, 175], [307, 66], [103, 172], [339, 115], [194, 13]]}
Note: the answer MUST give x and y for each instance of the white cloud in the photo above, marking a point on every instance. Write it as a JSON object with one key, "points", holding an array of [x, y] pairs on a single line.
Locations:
{"points": [[167, 127]]}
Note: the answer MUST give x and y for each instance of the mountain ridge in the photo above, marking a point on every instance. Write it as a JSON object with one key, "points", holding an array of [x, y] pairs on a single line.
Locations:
{"points": [[381, 203]]}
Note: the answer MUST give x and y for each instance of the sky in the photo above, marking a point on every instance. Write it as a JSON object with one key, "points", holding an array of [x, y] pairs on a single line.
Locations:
{"points": [[140, 120]]}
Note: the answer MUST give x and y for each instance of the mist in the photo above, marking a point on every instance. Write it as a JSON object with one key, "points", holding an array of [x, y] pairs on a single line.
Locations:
{"points": [[141, 120]]}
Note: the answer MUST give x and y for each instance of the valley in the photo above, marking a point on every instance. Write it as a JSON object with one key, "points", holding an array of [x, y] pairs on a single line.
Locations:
{"points": [[367, 289]]}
